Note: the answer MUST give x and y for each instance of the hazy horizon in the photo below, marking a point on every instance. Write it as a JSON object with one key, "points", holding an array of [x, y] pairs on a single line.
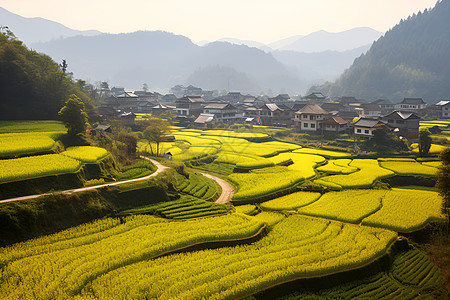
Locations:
{"points": [[264, 21]]}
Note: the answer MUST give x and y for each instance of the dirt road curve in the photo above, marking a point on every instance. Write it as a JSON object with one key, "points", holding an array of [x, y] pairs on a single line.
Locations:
{"points": [[227, 189], [160, 169]]}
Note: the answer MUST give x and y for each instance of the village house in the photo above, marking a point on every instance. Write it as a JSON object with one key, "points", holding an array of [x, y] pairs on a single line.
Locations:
{"points": [[365, 127], [224, 112], [315, 97], [385, 105], [444, 107], [410, 104], [405, 124], [368, 110], [204, 119], [280, 98], [335, 124], [160, 109], [310, 118], [189, 106], [127, 119]]}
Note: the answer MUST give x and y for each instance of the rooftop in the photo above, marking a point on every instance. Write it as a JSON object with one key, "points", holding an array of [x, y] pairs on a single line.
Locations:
{"points": [[204, 118], [335, 120], [312, 109], [369, 123], [401, 115], [412, 101]]}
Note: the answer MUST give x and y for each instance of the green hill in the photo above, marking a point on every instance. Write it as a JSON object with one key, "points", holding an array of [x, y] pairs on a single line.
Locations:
{"points": [[32, 85], [411, 59]]}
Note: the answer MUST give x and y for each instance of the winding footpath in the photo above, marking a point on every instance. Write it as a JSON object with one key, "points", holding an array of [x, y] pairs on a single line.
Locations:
{"points": [[227, 189], [225, 197], [161, 168]]}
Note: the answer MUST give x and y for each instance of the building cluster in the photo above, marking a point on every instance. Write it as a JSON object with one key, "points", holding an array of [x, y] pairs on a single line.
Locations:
{"points": [[312, 113]]}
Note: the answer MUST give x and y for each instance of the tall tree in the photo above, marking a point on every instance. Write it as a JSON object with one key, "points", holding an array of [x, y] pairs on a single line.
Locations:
{"points": [[424, 141], [74, 116], [156, 132]]}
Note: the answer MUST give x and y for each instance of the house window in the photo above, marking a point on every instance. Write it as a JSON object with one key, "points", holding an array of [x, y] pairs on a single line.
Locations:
{"points": [[390, 121], [313, 125], [358, 130], [305, 125], [312, 117], [305, 117], [366, 131]]}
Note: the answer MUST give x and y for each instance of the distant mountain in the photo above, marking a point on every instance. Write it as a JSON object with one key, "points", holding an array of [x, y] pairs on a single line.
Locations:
{"points": [[162, 59], [314, 68], [411, 60], [219, 77], [33, 30], [254, 44], [285, 42], [321, 41]]}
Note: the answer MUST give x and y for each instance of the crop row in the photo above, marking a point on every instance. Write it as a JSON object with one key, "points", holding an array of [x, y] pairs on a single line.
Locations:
{"points": [[197, 185], [36, 166], [60, 270], [295, 247], [412, 274], [184, 208]]}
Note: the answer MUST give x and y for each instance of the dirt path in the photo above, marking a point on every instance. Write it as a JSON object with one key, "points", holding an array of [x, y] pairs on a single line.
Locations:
{"points": [[227, 189], [161, 168]]}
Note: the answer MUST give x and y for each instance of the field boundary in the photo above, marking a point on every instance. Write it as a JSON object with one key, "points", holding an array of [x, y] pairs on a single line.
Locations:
{"points": [[217, 244]]}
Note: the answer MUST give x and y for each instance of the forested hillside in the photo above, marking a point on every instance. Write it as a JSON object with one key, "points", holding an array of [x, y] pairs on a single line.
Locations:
{"points": [[411, 59], [32, 85]]}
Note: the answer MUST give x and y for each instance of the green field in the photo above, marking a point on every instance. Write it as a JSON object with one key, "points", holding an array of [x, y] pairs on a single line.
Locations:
{"points": [[368, 172], [37, 166], [299, 214]]}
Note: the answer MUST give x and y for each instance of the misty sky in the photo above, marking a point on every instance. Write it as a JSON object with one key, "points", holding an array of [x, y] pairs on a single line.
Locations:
{"points": [[259, 20]]}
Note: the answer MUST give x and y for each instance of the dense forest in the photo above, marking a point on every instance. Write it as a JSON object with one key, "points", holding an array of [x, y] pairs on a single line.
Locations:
{"points": [[32, 85], [410, 60]]}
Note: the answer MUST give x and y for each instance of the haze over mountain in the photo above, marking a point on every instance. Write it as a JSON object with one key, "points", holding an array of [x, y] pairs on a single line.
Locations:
{"points": [[322, 40], [32, 30], [162, 59], [411, 60]]}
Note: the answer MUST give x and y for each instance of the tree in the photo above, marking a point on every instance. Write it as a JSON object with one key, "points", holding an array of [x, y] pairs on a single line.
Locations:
{"points": [[156, 132], [443, 178], [73, 115], [145, 87], [424, 141]]}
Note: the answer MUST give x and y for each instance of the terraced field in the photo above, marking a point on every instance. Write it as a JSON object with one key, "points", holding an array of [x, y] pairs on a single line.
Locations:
{"points": [[293, 249], [412, 276], [184, 208], [63, 265], [401, 210]]}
